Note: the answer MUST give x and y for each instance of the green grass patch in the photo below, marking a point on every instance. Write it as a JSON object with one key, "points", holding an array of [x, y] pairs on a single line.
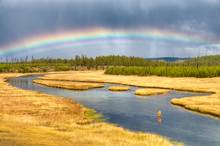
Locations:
{"points": [[168, 71], [92, 114]]}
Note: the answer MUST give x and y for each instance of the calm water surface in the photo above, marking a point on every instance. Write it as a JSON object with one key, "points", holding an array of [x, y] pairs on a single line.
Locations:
{"points": [[139, 114]]}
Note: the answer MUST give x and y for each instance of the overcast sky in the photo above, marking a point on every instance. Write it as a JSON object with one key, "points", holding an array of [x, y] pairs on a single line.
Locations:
{"points": [[20, 19]]}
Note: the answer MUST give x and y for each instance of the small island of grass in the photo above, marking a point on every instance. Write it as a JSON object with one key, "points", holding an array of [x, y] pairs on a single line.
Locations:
{"points": [[119, 88], [69, 85], [150, 91]]}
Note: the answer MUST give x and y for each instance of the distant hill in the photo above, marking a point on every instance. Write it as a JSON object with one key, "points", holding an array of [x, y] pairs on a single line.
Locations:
{"points": [[203, 60], [213, 60], [168, 59]]}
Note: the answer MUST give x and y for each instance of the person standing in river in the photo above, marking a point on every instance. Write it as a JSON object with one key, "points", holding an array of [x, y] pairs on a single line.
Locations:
{"points": [[159, 116]]}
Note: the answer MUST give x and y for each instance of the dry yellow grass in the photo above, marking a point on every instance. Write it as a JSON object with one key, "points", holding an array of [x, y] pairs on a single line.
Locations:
{"points": [[205, 104], [150, 91], [118, 88], [29, 118], [69, 85]]}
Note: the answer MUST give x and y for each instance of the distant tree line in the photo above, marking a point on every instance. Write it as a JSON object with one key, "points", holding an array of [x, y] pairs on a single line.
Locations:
{"points": [[111, 60], [212, 60], [77, 63], [168, 71], [207, 66]]}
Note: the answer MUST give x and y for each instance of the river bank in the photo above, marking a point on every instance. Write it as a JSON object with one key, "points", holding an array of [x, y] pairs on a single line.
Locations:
{"points": [[209, 104], [33, 118], [69, 85]]}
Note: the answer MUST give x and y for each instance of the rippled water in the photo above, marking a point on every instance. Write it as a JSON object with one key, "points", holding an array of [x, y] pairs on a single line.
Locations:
{"points": [[139, 114]]}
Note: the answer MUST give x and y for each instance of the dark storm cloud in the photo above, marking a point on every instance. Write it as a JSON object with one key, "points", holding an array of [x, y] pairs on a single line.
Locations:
{"points": [[19, 17], [23, 18]]}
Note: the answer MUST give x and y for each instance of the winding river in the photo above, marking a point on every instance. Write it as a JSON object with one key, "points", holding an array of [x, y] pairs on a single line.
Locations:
{"points": [[139, 114]]}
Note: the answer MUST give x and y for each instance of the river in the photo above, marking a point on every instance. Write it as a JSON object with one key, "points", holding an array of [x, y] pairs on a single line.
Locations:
{"points": [[139, 114]]}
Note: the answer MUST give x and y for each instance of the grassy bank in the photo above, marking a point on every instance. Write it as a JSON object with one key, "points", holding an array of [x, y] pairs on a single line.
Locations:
{"points": [[148, 92], [69, 85], [209, 104], [118, 88], [169, 71], [29, 118]]}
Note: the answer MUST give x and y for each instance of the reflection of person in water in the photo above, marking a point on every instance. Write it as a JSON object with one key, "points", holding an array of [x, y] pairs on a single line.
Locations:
{"points": [[159, 116]]}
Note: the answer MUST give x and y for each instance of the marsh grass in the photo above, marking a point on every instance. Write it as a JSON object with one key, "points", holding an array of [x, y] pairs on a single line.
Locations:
{"points": [[92, 114], [168, 71], [119, 88], [69, 85], [150, 91], [209, 104], [29, 118]]}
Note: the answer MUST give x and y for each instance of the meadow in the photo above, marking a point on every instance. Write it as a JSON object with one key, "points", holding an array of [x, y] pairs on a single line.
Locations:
{"points": [[209, 104], [207, 66], [69, 85], [29, 118], [168, 71]]}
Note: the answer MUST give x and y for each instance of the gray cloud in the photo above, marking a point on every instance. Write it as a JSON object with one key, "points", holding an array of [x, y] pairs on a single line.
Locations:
{"points": [[25, 18]]}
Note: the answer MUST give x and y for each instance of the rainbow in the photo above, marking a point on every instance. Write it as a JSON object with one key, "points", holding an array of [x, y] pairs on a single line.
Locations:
{"points": [[98, 37]]}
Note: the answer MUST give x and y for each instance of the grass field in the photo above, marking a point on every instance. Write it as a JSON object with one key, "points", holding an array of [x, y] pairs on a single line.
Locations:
{"points": [[69, 85], [167, 71], [29, 118], [209, 104]]}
